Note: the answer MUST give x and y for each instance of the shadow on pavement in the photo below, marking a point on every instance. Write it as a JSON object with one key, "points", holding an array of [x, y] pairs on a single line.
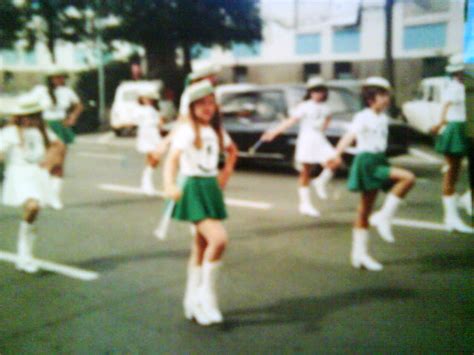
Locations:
{"points": [[440, 262], [309, 311]]}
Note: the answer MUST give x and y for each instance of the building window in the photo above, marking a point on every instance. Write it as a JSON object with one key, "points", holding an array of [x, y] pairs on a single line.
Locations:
{"points": [[424, 7], [308, 44], [240, 74], [200, 52], [30, 58], [242, 50], [346, 40], [424, 36], [310, 70], [343, 70], [10, 57]]}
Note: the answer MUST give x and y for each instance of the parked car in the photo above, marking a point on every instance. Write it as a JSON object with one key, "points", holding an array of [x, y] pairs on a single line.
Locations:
{"points": [[122, 118], [248, 112], [424, 111]]}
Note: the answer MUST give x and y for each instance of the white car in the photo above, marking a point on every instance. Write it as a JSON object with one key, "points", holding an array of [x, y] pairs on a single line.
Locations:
{"points": [[424, 111], [122, 117]]}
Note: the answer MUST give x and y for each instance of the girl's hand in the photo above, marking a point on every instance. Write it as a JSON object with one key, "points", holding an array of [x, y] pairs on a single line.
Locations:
{"points": [[223, 178], [435, 129], [268, 136], [172, 192]]}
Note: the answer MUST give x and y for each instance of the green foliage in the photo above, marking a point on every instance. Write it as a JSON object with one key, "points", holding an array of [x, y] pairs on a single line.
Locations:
{"points": [[10, 23]]}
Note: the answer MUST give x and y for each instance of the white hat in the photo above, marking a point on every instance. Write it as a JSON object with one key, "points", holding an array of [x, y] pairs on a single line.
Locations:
{"points": [[149, 93], [56, 71], [377, 81], [24, 105], [455, 63], [203, 72], [315, 82], [199, 90]]}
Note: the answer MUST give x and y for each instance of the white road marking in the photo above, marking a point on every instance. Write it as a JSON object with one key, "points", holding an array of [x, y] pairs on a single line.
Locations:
{"points": [[229, 201], [119, 142], [432, 158], [101, 155], [65, 270], [418, 224]]}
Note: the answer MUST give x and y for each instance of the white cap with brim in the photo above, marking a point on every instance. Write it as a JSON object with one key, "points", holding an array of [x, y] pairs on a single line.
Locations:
{"points": [[455, 63], [24, 106], [204, 72], [199, 90], [56, 71], [315, 82], [150, 94], [376, 81]]}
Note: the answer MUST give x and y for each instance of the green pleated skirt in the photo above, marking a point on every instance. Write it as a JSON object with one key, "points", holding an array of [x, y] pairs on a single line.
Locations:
{"points": [[65, 134], [453, 140], [369, 171], [201, 199]]}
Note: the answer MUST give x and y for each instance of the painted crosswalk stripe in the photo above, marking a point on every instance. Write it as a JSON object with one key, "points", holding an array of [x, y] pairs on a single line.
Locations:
{"points": [[432, 158], [229, 201], [101, 155], [65, 270], [418, 224]]}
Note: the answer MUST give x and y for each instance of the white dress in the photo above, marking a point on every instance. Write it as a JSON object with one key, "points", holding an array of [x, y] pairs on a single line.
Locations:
{"points": [[24, 179], [312, 146], [148, 135], [65, 98]]}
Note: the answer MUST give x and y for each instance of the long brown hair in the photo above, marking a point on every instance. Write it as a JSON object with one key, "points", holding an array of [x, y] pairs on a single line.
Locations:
{"points": [[19, 122], [216, 124], [51, 89]]}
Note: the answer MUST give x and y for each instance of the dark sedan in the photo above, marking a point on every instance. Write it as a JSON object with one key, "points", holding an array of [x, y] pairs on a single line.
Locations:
{"points": [[249, 111]]}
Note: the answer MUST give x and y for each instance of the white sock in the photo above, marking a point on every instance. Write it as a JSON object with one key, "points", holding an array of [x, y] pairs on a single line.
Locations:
{"points": [[325, 176], [193, 280], [390, 205], [450, 208], [305, 195], [57, 186]]}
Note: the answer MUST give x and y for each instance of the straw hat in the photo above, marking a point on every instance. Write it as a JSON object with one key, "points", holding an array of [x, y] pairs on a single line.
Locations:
{"points": [[377, 81], [203, 72], [23, 106], [199, 90], [455, 63], [315, 82], [150, 94]]}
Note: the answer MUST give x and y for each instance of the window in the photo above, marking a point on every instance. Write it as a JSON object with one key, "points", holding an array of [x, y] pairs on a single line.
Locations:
{"points": [[308, 44], [343, 70], [10, 57], [423, 7], [310, 70], [200, 52], [346, 40], [424, 36], [242, 50], [240, 74]]}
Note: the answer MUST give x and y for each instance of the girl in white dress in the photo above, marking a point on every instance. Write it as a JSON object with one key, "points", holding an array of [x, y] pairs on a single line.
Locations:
{"points": [[148, 137], [25, 144], [312, 147]]}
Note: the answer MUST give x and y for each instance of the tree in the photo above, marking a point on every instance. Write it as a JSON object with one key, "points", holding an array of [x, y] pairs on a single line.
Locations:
{"points": [[164, 26], [11, 23]]}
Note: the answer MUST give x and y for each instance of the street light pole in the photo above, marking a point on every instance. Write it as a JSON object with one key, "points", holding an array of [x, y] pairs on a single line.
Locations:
{"points": [[100, 74]]}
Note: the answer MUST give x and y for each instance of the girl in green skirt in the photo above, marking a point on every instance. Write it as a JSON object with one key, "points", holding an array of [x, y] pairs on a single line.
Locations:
{"points": [[452, 142], [62, 107], [371, 171], [194, 153]]}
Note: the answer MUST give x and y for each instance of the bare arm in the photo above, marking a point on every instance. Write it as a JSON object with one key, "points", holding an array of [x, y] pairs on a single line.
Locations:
{"points": [[230, 161], [170, 173], [275, 132], [444, 112], [326, 123], [75, 113]]}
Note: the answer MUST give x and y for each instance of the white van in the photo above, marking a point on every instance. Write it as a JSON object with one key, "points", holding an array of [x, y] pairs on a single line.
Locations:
{"points": [[122, 117], [424, 111]]}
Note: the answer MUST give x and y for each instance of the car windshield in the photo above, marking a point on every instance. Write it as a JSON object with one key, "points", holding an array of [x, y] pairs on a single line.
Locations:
{"points": [[257, 105], [339, 100]]}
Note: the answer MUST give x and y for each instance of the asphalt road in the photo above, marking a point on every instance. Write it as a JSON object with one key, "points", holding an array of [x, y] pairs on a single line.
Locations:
{"points": [[287, 285]]}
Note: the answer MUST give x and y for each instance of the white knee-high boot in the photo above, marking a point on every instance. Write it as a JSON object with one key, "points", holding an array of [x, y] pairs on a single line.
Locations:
{"points": [[452, 220], [382, 219], [321, 182], [190, 301], [208, 292], [305, 206], [360, 257], [26, 238], [56, 190], [147, 181], [465, 202]]}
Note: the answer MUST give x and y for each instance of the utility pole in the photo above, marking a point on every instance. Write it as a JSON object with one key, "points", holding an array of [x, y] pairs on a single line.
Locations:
{"points": [[389, 64]]}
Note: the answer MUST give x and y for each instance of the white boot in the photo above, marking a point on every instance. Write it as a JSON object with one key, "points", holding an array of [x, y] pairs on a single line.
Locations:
{"points": [[320, 183], [56, 189], [191, 301], [207, 292], [465, 201], [26, 238], [147, 181], [306, 207], [382, 220], [452, 220], [360, 257]]}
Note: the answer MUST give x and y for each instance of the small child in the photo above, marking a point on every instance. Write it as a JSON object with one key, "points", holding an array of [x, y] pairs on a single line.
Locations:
{"points": [[195, 148], [371, 171], [25, 144], [312, 146], [148, 137]]}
